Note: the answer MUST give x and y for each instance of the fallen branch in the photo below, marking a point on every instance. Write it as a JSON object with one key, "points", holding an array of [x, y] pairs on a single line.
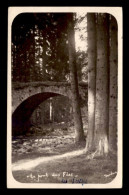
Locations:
{"points": [[110, 174]]}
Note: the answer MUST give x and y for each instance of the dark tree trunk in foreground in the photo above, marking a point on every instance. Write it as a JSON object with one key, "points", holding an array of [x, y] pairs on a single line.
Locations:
{"points": [[102, 86], [42, 113], [113, 85], [79, 134], [91, 27], [34, 117]]}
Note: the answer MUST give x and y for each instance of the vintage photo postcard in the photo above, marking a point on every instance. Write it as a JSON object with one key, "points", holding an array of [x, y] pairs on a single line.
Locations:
{"points": [[64, 117]]}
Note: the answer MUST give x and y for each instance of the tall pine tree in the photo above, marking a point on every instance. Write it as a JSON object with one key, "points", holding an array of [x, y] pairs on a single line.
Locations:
{"points": [[91, 27], [79, 134]]}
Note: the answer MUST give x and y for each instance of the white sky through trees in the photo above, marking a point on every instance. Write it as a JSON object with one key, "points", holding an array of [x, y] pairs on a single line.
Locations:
{"points": [[81, 32]]}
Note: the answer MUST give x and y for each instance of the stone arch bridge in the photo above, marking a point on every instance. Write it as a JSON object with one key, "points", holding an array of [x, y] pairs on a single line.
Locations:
{"points": [[27, 96]]}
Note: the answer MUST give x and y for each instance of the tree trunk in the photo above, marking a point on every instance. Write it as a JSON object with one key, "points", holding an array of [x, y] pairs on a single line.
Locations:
{"points": [[102, 86], [26, 67], [113, 84], [79, 134], [42, 113], [32, 57], [34, 117], [79, 72], [51, 110], [44, 56], [91, 27], [14, 63]]}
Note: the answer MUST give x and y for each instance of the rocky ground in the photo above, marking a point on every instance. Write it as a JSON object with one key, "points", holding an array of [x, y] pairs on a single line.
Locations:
{"points": [[43, 143], [49, 147]]}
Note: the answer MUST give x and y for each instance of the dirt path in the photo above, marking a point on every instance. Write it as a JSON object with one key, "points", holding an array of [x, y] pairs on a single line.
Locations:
{"points": [[56, 159], [66, 168], [30, 164]]}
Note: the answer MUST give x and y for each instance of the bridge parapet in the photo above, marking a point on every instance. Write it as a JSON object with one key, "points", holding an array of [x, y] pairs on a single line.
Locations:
{"points": [[19, 85], [23, 91]]}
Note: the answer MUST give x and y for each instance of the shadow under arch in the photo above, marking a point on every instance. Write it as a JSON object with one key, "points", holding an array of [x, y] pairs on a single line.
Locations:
{"points": [[21, 116]]}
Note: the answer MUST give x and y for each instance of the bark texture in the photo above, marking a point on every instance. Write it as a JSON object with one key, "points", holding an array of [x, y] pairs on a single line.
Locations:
{"points": [[79, 134], [102, 85], [113, 84], [91, 27]]}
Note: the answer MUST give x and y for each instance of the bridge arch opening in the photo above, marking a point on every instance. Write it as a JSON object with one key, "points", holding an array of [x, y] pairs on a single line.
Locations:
{"points": [[21, 116]]}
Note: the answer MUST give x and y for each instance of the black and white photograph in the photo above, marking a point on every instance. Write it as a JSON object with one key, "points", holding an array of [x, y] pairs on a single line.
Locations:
{"points": [[64, 117]]}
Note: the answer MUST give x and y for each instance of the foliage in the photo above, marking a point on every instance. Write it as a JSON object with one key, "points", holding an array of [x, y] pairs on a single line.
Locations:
{"points": [[40, 48]]}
